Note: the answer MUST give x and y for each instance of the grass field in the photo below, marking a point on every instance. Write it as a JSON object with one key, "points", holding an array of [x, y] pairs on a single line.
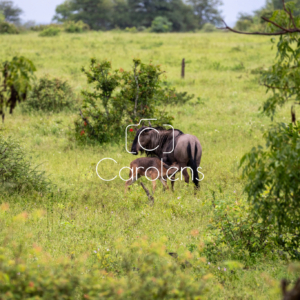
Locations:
{"points": [[95, 214]]}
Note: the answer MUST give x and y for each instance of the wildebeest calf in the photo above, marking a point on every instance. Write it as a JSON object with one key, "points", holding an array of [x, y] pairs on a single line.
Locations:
{"points": [[153, 168]]}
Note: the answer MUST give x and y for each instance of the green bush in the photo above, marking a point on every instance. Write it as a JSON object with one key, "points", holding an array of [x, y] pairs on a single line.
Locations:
{"points": [[175, 97], [161, 24], [43, 27], [16, 171], [144, 273], [131, 29], [272, 172], [208, 27], [273, 183], [50, 95], [50, 31], [236, 234], [75, 27], [8, 28], [141, 28], [120, 98]]}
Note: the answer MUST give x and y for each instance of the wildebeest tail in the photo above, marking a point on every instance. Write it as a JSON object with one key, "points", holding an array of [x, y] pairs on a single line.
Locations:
{"points": [[193, 163]]}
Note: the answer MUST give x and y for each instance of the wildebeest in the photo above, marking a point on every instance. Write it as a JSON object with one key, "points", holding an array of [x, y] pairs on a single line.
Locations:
{"points": [[156, 141], [151, 167]]}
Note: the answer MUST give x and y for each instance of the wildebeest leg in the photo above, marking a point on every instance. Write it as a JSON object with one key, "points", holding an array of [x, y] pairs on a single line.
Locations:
{"points": [[186, 176], [173, 182], [164, 183], [130, 181], [153, 185]]}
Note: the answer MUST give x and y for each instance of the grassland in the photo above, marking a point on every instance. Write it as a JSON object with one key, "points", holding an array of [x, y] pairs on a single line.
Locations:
{"points": [[95, 214]]}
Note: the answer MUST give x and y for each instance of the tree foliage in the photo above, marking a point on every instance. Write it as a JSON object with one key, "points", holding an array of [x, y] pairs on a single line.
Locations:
{"points": [[161, 24], [273, 184], [108, 14], [283, 77], [272, 172], [8, 28], [11, 13], [15, 82], [120, 98], [206, 11], [255, 22]]}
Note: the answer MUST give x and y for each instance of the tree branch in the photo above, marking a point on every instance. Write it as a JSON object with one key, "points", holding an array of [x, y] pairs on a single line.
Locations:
{"points": [[289, 13], [285, 31], [277, 25]]}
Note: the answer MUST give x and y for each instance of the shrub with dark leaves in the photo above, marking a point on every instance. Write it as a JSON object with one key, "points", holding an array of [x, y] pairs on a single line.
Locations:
{"points": [[50, 95], [16, 170]]}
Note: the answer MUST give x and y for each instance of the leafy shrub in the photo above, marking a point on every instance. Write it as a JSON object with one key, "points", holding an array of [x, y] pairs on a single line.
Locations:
{"points": [[107, 111], [16, 77], [75, 27], [16, 171], [153, 275], [8, 28], [273, 183], [236, 234], [208, 27], [51, 31], [43, 27], [161, 24], [50, 95], [243, 25], [174, 97], [131, 29], [141, 28]]}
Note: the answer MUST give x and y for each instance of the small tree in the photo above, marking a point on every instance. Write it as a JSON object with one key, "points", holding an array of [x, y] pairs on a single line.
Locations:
{"points": [[11, 13], [206, 11], [15, 82], [161, 24], [120, 98], [272, 173]]}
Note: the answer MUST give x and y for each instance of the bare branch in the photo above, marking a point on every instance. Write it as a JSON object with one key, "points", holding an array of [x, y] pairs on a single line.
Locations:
{"points": [[251, 33], [284, 30]]}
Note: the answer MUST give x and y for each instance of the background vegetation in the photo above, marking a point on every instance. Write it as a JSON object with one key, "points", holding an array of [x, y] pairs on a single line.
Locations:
{"points": [[182, 15]]}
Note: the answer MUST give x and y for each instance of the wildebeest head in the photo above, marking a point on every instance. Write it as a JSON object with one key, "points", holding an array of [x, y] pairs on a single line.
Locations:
{"points": [[143, 139]]}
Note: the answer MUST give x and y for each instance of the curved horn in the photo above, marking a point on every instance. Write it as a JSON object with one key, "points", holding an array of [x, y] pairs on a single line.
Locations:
{"points": [[150, 124]]}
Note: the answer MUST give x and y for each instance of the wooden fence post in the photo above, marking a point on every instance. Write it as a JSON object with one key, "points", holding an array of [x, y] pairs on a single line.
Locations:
{"points": [[183, 68]]}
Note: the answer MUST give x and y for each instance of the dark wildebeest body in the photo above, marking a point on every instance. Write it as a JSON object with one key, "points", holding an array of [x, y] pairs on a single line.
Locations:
{"points": [[151, 167], [187, 148]]}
